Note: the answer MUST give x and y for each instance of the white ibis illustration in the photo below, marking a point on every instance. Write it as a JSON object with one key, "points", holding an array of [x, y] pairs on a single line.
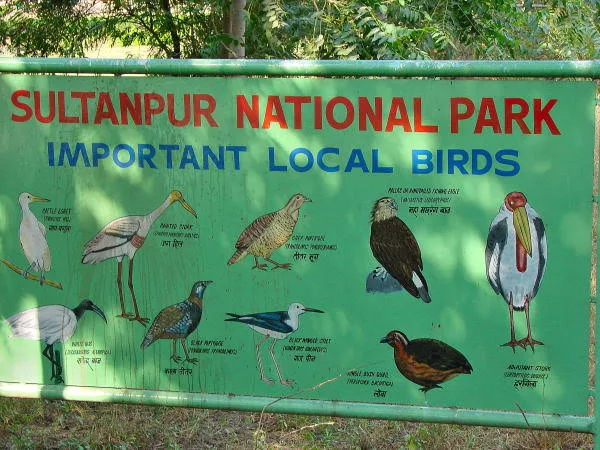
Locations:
{"points": [[32, 234], [51, 324], [515, 257], [123, 237]]}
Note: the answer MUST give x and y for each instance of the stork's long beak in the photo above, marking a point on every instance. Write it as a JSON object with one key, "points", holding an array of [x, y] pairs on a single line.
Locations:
{"points": [[38, 199], [98, 311], [187, 206], [521, 223], [306, 309]]}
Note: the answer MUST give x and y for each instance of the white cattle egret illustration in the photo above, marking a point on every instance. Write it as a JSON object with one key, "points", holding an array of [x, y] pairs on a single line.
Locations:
{"points": [[32, 234], [515, 257], [123, 237], [51, 324]]}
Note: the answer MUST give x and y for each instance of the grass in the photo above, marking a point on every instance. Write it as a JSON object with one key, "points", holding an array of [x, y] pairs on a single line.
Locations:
{"points": [[32, 423]]}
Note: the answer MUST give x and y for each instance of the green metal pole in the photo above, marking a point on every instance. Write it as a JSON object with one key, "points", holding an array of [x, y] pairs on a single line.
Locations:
{"points": [[554, 69], [299, 406]]}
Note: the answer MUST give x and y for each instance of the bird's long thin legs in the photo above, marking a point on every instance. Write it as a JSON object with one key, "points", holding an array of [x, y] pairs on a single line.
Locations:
{"points": [[187, 355], [123, 314], [137, 316], [54, 359], [528, 340], [513, 342], [259, 362], [281, 380]]}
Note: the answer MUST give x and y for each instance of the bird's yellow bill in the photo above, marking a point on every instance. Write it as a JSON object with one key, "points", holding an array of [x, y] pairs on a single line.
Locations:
{"points": [[187, 206], [38, 199], [521, 223]]}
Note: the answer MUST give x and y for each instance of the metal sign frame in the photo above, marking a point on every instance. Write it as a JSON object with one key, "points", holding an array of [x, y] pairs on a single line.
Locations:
{"points": [[280, 68]]}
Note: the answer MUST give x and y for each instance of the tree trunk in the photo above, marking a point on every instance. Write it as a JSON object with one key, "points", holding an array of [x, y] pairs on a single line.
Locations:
{"points": [[238, 29], [172, 29]]}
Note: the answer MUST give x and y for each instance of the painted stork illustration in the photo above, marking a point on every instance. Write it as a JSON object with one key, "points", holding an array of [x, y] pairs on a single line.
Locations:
{"points": [[515, 259], [123, 237]]}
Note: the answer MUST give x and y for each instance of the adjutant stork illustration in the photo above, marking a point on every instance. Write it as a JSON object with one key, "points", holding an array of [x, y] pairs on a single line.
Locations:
{"points": [[397, 250], [515, 259], [123, 237]]}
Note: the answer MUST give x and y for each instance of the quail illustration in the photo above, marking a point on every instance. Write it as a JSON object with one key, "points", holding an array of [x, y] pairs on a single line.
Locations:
{"points": [[426, 362], [178, 321], [394, 246], [267, 233], [515, 259]]}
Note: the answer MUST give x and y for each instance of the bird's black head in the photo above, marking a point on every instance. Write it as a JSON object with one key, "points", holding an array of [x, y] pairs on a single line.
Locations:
{"points": [[88, 305], [395, 339], [199, 287], [384, 208]]}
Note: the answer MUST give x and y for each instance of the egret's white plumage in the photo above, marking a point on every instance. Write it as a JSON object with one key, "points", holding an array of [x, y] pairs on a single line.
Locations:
{"points": [[32, 235], [516, 255], [123, 237]]}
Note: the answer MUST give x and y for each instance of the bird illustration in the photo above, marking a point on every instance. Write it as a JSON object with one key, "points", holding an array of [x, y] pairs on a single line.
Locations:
{"points": [[276, 325], [426, 362], [396, 249], [269, 232], [32, 234], [51, 324], [379, 280], [123, 237], [515, 259], [178, 321]]}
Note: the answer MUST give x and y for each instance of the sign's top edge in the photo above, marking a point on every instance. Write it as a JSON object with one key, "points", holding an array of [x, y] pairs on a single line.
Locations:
{"points": [[387, 68]]}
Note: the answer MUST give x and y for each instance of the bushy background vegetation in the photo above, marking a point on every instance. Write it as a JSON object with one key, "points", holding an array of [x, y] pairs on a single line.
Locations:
{"points": [[311, 29]]}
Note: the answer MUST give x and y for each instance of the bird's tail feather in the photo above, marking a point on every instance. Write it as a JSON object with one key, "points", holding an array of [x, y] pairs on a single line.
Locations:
{"points": [[234, 317], [148, 339], [239, 254], [421, 285]]}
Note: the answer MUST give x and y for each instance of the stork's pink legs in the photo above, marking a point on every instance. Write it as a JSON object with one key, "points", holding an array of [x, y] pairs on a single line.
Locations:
{"points": [[528, 340], [513, 342]]}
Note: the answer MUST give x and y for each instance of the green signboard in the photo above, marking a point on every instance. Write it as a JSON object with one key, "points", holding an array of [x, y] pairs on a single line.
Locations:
{"points": [[372, 242]]}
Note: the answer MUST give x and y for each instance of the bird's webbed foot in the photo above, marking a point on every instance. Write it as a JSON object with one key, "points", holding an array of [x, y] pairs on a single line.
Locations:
{"points": [[138, 318], [287, 382], [529, 341], [57, 379], [191, 360], [287, 266], [175, 357], [512, 344], [259, 266], [267, 380]]}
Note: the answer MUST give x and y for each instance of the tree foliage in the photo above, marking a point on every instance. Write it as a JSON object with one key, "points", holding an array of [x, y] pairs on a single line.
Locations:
{"points": [[315, 29]]}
